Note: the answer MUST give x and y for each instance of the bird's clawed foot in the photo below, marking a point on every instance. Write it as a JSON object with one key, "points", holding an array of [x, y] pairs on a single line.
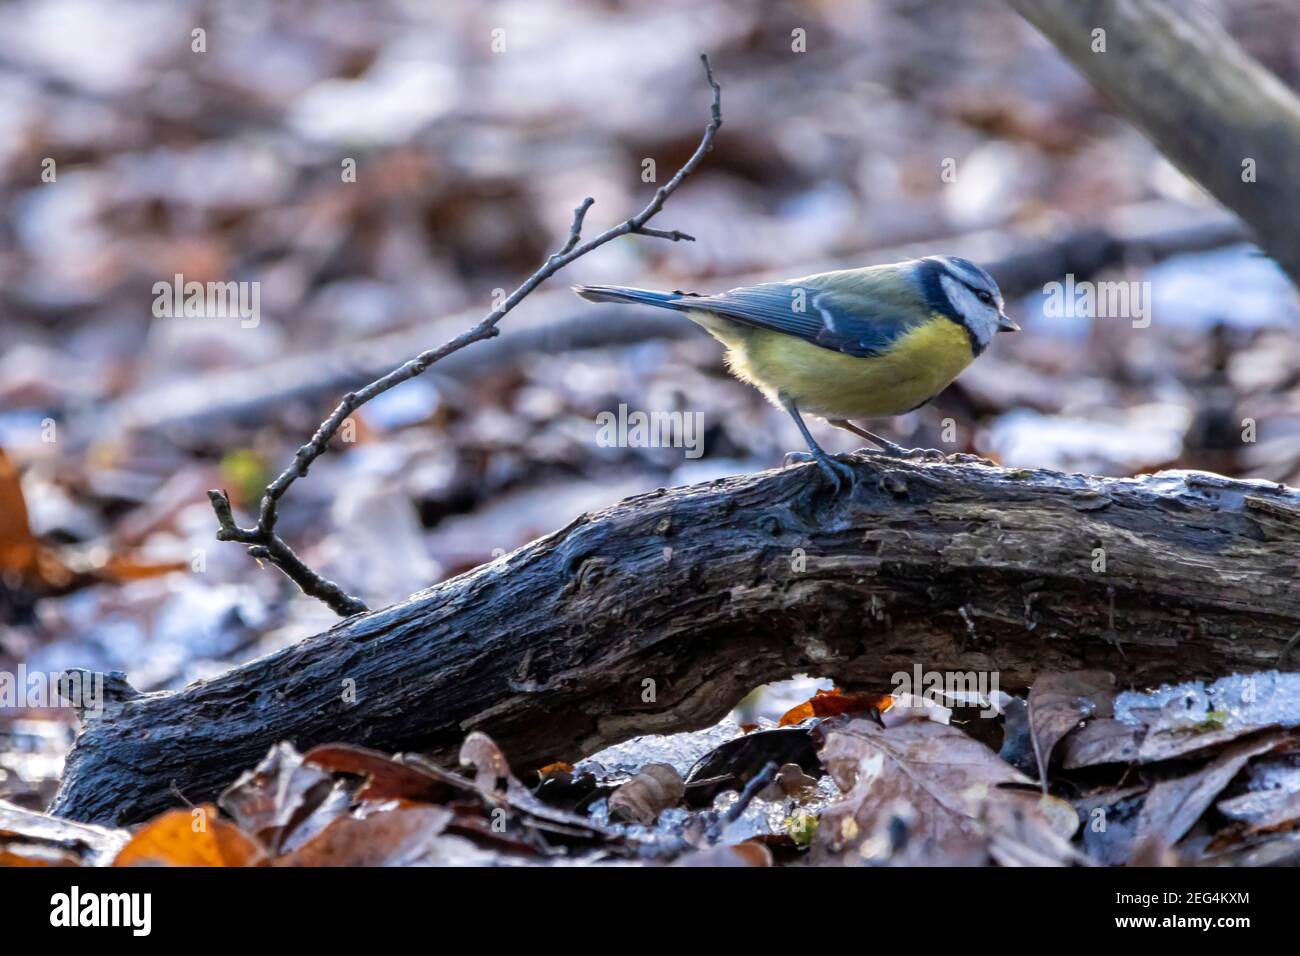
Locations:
{"points": [[837, 473], [887, 446], [912, 454]]}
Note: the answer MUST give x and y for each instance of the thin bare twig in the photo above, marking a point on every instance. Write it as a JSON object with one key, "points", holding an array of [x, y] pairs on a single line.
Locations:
{"points": [[263, 540], [747, 795]]}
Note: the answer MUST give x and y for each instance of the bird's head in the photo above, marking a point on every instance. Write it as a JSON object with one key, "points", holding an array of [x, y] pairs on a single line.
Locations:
{"points": [[970, 294]]}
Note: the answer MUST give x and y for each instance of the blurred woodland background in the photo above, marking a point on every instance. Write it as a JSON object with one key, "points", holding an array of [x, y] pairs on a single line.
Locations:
{"points": [[229, 164]]}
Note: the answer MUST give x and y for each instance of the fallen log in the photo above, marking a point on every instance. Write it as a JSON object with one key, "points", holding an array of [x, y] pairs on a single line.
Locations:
{"points": [[661, 613]]}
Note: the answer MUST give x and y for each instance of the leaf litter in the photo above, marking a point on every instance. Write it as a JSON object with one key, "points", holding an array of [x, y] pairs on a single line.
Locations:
{"points": [[842, 789]]}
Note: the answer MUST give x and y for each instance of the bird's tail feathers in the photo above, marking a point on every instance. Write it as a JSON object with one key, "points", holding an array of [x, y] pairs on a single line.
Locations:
{"points": [[618, 293]]}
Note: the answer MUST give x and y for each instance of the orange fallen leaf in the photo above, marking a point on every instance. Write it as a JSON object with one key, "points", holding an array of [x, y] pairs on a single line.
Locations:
{"points": [[21, 554], [45, 570], [555, 769], [119, 568], [17, 546], [830, 703], [194, 837]]}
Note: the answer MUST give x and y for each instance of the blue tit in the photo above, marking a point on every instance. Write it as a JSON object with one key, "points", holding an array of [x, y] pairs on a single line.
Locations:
{"points": [[856, 343]]}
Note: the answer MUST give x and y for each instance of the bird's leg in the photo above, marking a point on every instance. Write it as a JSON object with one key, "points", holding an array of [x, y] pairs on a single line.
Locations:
{"points": [[838, 472], [889, 447]]}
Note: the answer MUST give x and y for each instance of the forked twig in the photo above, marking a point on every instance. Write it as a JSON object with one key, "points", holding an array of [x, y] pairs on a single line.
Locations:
{"points": [[263, 540]]}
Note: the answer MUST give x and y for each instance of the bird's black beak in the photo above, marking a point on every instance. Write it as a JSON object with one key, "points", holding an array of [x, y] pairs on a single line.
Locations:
{"points": [[1005, 324]]}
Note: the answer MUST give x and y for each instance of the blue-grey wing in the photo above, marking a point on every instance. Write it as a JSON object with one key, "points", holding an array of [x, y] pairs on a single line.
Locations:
{"points": [[839, 321]]}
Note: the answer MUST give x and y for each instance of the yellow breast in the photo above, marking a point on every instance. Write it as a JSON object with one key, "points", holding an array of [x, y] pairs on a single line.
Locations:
{"points": [[833, 385]]}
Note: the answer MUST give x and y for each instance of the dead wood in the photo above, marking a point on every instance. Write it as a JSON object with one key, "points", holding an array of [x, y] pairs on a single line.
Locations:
{"points": [[661, 613]]}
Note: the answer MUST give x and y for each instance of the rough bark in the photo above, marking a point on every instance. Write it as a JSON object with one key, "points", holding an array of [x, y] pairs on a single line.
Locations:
{"points": [[710, 590], [1178, 75]]}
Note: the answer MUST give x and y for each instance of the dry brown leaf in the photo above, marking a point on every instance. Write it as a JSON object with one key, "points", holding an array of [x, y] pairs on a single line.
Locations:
{"points": [[400, 836], [940, 785], [493, 779], [387, 778], [1102, 741], [270, 799], [1058, 703], [656, 788], [337, 803], [195, 837], [491, 769], [1173, 806]]}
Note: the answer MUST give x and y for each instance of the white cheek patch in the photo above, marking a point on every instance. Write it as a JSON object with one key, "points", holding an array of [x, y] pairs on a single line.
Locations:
{"points": [[981, 319]]}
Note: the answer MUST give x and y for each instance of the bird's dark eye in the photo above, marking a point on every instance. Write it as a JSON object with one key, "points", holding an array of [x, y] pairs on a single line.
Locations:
{"points": [[984, 297]]}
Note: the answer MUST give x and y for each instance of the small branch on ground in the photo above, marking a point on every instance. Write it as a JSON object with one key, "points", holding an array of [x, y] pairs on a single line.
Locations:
{"points": [[747, 795], [263, 540]]}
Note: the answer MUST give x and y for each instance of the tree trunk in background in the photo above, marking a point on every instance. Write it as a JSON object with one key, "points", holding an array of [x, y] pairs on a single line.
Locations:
{"points": [[1178, 75], [661, 613]]}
